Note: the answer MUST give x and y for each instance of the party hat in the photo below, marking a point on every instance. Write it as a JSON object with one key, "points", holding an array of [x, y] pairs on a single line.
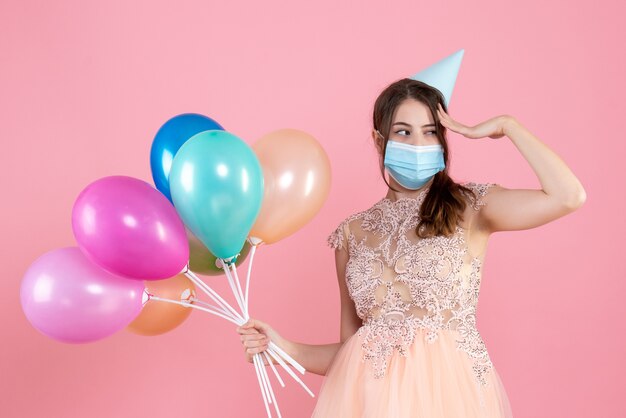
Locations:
{"points": [[442, 74]]}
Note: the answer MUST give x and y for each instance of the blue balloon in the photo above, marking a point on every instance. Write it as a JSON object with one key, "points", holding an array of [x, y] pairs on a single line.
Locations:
{"points": [[168, 140], [217, 183]]}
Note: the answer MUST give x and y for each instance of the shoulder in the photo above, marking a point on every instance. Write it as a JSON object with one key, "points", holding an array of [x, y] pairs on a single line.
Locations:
{"points": [[481, 190], [338, 238]]}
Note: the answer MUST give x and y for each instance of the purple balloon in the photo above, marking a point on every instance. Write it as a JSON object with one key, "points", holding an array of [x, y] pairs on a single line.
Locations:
{"points": [[129, 228], [67, 297]]}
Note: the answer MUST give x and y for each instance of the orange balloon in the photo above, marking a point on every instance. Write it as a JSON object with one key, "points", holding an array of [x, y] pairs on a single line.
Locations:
{"points": [[296, 171], [158, 317]]}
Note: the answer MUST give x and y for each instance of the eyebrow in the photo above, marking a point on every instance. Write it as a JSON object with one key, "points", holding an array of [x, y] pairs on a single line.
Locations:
{"points": [[406, 124]]}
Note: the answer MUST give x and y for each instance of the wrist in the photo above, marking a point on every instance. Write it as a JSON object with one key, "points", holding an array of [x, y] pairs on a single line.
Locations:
{"points": [[290, 347], [509, 123]]}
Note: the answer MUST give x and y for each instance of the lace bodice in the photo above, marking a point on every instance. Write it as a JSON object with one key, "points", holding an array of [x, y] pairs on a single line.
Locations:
{"points": [[399, 282]]}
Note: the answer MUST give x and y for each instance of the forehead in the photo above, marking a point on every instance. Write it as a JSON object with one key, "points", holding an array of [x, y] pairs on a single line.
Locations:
{"points": [[413, 112]]}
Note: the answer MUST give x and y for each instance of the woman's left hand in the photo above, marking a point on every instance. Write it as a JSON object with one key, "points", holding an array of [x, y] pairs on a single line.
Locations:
{"points": [[492, 128]]}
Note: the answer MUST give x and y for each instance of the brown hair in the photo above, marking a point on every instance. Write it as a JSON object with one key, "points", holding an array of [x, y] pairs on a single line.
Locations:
{"points": [[444, 204]]}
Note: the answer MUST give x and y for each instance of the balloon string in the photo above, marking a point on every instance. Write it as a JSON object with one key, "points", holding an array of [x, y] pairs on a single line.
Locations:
{"points": [[213, 294], [275, 347], [240, 292], [275, 352], [268, 393], [265, 386], [267, 352], [252, 252], [243, 300], [208, 305], [190, 305], [287, 357], [259, 377], [282, 363], [271, 363], [269, 387], [233, 287]]}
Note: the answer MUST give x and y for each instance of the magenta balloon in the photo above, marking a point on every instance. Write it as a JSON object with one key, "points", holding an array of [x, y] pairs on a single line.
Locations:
{"points": [[67, 297], [129, 228]]}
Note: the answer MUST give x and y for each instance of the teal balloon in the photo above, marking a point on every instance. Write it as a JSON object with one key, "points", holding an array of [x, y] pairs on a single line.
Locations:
{"points": [[216, 183]]}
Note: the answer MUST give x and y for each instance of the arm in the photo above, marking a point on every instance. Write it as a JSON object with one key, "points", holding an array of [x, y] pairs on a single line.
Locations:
{"points": [[317, 358], [314, 358], [561, 192], [516, 209]]}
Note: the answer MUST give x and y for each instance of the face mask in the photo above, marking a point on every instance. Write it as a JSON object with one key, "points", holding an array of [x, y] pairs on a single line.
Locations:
{"points": [[413, 165]]}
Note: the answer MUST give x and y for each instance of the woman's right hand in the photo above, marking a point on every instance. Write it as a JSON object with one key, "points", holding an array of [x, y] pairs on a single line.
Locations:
{"points": [[255, 337]]}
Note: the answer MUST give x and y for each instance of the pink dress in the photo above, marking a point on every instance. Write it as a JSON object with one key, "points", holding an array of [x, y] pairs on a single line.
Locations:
{"points": [[418, 353]]}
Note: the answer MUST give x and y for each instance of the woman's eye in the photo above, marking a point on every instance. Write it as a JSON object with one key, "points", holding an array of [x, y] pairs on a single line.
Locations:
{"points": [[431, 132], [402, 130]]}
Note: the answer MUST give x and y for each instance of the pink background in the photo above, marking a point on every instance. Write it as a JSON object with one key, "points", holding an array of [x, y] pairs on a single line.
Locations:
{"points": [[84, 86]]}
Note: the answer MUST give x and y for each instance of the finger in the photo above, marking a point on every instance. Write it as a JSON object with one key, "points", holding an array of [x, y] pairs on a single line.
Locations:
{"points": [[248, 331], [248, 324], [253, 337], [255, 343], [246, 328], [258, 324], [250, 351], [450, 123], [447, 118], [256, 350], [440, 108], [445, 122], [253, 323], [443, 118]]}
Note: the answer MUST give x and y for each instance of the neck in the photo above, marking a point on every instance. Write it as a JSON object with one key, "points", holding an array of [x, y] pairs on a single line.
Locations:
{"points": [[403, 192]]}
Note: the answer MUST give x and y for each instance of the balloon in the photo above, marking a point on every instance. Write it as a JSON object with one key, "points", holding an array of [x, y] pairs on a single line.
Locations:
{"points": [[67, 297], [216, 183], [129, 228], [158, 317], [202, 261], [170, 137], [297, 182]]}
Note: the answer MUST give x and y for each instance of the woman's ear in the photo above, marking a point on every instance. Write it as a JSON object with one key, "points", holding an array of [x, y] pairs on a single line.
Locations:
{"points": [[378, 140]]}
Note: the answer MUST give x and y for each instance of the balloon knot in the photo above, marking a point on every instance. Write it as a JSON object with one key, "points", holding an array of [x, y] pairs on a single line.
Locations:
{"points": [[185, 269]]}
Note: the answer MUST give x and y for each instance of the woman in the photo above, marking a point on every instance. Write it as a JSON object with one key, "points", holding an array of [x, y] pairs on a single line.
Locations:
{"points": [[409, 269]]}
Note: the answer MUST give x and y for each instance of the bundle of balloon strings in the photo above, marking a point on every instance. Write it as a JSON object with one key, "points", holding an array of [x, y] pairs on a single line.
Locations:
{"points": [[224, 310]]}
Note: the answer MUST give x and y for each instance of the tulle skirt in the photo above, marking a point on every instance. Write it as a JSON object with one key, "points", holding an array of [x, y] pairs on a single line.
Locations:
{"points": [[434, 380]]}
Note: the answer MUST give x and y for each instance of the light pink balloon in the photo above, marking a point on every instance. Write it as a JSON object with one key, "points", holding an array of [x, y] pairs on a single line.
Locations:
{"points": [[129, 228], [67, 297]]}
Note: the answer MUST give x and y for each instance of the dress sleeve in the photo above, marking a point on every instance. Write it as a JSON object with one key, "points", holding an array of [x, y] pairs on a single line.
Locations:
{"points": [[338, 239], [481, 190]]}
